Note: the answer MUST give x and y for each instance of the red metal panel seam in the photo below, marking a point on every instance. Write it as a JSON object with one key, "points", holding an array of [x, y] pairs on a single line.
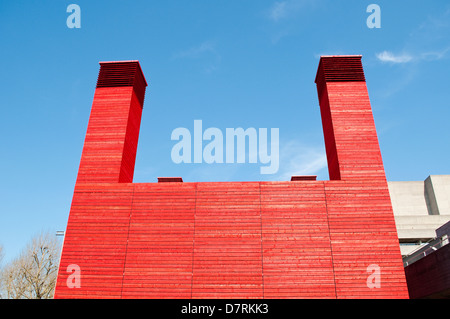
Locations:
{"points": [[329, 236], [128, 239], [262, 251], [193, 238]]}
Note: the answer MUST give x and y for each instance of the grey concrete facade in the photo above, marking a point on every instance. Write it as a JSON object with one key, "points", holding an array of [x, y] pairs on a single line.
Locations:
{"points": [[420, 208]]}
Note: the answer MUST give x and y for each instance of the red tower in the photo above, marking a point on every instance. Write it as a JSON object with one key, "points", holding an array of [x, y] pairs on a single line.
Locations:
{"points": [[294, 239]]}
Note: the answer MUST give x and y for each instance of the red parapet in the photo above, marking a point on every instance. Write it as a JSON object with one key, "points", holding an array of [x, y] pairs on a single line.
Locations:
{"points": [[303, 178], [170, 180], [293, 239]]}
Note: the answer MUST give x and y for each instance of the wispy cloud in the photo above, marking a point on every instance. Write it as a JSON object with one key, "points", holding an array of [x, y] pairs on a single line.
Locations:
{"points": [[281, 10], [205, 51], [278, 11], [197, 51], [284, 17], [387, 56], [434, 26], [297, 158], [425, 43], [435, 55], [398, 83]]}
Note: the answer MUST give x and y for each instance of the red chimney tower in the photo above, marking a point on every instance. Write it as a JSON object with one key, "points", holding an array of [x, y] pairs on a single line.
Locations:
{"points": [[351, 138], [110, 146]]}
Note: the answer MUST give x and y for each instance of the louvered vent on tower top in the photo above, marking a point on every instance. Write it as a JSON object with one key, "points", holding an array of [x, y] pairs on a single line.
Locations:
{"points": [[120, 74]]}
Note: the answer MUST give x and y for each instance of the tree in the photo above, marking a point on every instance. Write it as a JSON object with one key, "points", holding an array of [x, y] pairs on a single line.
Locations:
{"points": [[33, 274], [1, 284]]}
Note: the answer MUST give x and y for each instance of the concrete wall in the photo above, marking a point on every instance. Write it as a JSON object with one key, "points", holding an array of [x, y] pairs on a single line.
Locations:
{"points": [[441, 190], [420, 207], [415, 228], [408, 198], [422, 212]]}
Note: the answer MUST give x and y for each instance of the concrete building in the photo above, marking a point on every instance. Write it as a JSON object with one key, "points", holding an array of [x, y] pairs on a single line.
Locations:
{"points": [[427, 269], [422, 217], [420, 208]]}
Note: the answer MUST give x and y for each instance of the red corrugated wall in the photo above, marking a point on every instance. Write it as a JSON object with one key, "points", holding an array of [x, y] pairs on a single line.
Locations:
{"points": [[297, 239]]}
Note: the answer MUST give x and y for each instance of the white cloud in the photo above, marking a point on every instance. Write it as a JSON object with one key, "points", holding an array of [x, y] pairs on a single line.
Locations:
{"points": [[278, 11], [281, 10], [197, 51], [387, 56], [435, 55], [284, 17], [205, 52], [297, 158], [425, 43]]}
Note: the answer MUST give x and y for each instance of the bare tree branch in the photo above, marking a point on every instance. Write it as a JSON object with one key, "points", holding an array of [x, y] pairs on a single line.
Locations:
{"points": [[33, 274]]}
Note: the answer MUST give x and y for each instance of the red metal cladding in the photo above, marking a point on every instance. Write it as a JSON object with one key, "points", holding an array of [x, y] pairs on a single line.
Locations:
{"points": [[298, 239]]}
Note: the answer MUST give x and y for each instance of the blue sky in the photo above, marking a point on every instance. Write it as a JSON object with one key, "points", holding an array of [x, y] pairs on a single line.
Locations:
{"points": [[229, 63]]}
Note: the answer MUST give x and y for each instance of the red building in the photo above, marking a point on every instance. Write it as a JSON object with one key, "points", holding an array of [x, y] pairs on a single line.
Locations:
{"points": [[291, 239]]}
